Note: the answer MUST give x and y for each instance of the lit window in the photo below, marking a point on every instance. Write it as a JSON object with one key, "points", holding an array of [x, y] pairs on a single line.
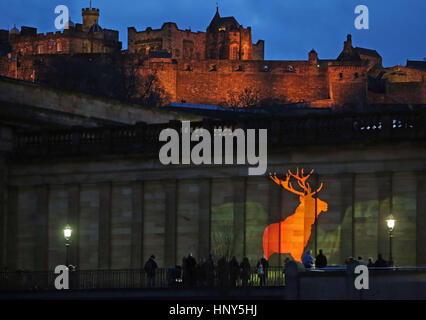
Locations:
{"points": [[234, 53], [40, 49], [59, 47]]}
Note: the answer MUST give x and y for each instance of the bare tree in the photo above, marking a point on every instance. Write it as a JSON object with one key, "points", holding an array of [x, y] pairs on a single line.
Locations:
{"points": [[247, 98], [222, 240]]}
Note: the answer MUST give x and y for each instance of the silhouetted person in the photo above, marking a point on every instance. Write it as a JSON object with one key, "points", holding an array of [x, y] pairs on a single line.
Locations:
{"points": [[361, 261], [201, 273], [245, 271], [262, 270], [222, 270], [370, 262], [209, 267], [234, 271], [349, 260], [191, 264], [320, 260], [308, 260], [150, 268], [173, 276], [380, 262]]}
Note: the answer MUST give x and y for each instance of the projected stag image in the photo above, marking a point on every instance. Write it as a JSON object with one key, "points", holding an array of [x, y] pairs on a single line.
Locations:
{"points": [[292, 235]]}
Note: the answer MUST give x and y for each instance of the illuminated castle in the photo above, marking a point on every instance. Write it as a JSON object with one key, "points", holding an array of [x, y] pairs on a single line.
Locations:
{"points": [[212, 67]]}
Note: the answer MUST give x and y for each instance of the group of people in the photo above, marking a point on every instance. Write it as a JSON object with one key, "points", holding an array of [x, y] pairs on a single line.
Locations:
{"points": [[228, 273], [379, 263], [309, 262], [320, 261], [206, 273]]}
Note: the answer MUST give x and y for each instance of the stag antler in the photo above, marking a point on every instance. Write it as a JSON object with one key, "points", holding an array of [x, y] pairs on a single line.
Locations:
{"points": [[301, 180]]}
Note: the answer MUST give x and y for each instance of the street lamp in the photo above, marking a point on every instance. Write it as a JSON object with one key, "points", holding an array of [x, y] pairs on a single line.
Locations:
{"points": [[391, 225], [67, 236]]}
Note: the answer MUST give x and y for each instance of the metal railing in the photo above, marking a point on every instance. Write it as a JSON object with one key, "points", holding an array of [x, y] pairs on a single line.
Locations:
{"points": [[131, 279], [21, 281]]}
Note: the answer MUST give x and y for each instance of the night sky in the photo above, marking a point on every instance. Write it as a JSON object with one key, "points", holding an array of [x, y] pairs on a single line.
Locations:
{"points": [[291, 28]]}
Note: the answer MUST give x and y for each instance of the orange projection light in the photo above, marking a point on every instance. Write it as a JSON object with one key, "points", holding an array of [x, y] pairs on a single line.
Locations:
{"points": [[292, 235]]}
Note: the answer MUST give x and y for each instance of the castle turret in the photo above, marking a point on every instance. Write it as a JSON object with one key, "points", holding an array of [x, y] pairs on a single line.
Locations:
{"points": [[347, 46], [313, 57], [90, 17]]}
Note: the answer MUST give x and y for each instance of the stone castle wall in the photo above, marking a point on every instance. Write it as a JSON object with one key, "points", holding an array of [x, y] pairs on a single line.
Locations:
{"points": [[213, 81]]}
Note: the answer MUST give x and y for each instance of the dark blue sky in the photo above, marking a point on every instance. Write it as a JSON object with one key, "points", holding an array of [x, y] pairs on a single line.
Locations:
{"points": [[291, 28]]}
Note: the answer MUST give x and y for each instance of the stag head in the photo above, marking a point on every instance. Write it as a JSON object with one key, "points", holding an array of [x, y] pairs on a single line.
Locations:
{"points": [[306, 194], [301, 178]]}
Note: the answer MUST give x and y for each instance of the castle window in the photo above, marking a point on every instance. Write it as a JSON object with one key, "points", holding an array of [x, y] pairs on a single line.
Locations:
{"points": [[40, 49], [222, 29], [356, 75], [290, 69], [240, 68], [213, 68], [59, 47], [234, 53], [341, 75], [188, 67]]}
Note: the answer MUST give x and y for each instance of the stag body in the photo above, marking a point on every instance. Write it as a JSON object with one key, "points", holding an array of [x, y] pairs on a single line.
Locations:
{"points": [[292, 235]]}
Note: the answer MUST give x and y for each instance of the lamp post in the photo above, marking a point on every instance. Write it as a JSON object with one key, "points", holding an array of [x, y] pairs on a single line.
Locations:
{"points": [[67, 236], [391, 225]]}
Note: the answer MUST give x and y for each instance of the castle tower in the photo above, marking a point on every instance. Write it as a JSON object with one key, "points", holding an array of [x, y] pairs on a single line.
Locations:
{"points": [[226, 39], [90, 17], [347, 46], [313, 57]]}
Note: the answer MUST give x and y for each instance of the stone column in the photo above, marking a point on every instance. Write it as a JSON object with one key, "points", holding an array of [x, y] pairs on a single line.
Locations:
{"points": [[170, 231], [421, 220], [41, 229], [73, 221], [204, 210], [239, 200], [12, 228], [384, 185], [136, 259], [275, 215], [347, 198], [104, 250]]}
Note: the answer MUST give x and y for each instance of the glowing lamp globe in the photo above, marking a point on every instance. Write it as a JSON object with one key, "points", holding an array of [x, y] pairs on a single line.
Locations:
{"points": [[391, 223], [67, 232]]}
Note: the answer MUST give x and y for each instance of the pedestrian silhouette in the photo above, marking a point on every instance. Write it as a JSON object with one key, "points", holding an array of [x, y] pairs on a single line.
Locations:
{"points": [[320, 260], [234, 271], [380, 262], [245, 271], [262, 270], [307, 259], [150, 269]]}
